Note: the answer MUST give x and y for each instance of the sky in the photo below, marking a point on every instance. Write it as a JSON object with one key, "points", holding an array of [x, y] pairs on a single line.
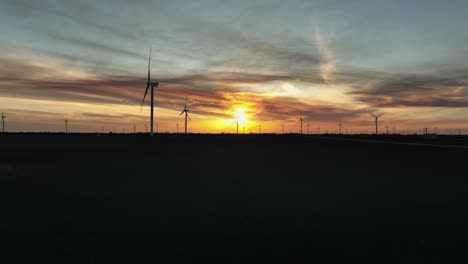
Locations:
{"points": [[262, 62]]}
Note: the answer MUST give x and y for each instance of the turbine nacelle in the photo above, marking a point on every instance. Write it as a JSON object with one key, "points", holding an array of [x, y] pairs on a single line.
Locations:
{"points": [[152, 84]]}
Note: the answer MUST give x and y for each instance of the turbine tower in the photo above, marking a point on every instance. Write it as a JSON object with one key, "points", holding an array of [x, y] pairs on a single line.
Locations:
{"points": [[301, 120], [376, 117], [149, 84], [237, 126], [186, 114], [340, 125], [3, 123], [66, 125]]}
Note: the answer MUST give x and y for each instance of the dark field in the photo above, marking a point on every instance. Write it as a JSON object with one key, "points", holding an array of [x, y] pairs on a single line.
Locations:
{"points": [[235, 199]]}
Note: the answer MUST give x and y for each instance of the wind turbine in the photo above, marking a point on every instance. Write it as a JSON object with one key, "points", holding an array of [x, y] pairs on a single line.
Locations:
{"points": [[3, 122], [149, 84], [340, 125], [308, 126], [186, 114], [282, 129], [237, 126], [301, 120], [376, 117], [66, 125]]}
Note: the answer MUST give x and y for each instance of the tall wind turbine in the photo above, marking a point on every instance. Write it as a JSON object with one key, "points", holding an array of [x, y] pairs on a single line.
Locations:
{"points": [[376, 117], [301, 120], [3, 122], [66, 125], [149, 84], [186, 114]]}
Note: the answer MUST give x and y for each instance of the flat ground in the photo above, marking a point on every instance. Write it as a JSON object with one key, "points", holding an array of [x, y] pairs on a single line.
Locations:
{"points": [[235, 199]]}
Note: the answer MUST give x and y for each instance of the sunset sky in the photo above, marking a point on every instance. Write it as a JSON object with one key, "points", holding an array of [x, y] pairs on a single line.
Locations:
{"points": [[272, 60]]}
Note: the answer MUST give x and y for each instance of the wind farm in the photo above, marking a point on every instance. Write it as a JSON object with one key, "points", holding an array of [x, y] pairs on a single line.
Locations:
{"points": [[267, 132]]}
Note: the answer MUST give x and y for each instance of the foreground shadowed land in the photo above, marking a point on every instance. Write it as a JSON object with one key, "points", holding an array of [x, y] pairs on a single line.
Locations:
{"points": [[289, 199]]}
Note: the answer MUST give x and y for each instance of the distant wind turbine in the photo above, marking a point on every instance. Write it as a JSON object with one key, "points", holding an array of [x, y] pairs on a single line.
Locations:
{"points": [[3, 122], [340, 125], [301, 120], [149, 84], [66, 125], [186, 110], [237, 126], [376, 117]]}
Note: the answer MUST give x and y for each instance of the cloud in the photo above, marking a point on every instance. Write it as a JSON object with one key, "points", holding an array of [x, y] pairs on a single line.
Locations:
{"points": [[416, 91]]}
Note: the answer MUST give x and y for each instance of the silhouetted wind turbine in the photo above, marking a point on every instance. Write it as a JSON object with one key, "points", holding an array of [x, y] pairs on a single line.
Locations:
{"points": [[282, 129], [66, 125], [301, 120], [308, 126], [237, 126], [376, 117], [340, 125], [3, 122], [186, 114], [149, 84]]}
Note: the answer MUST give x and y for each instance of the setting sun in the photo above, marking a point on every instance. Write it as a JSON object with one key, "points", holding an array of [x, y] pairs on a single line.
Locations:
{"points": [[241, 117]]}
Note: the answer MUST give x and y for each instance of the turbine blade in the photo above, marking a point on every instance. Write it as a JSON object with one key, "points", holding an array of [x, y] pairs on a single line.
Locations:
{"points": [[181, 113], [143, 101], [189, 117], [380, 115], [149, 65]]}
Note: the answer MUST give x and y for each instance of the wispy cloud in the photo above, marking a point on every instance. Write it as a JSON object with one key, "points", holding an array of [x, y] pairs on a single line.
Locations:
{"points": [[327, 63]]}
